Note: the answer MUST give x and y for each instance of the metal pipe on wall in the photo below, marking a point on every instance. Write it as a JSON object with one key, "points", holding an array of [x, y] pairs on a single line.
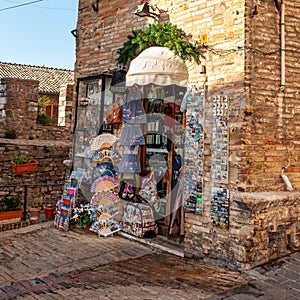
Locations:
{"points": [[282, 45]]}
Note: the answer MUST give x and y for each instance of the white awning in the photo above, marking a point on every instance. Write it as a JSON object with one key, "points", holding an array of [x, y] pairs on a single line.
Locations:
{"points": [[158, 65]]}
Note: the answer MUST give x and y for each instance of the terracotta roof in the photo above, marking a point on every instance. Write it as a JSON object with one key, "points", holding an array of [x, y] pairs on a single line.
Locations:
{"points": [[50, 78]]}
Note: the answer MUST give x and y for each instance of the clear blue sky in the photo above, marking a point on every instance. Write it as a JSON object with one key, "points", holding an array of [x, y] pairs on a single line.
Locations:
{"points": [[39, 33]]}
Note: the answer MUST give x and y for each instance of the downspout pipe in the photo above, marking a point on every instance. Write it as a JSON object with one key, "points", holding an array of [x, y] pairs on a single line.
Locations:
{"points": [[282, 45], [285, 179]]}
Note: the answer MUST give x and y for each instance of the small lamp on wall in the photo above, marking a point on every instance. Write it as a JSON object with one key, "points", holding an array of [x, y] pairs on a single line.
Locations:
{"points": [[74, 32], [143, 10], [95, 6]]}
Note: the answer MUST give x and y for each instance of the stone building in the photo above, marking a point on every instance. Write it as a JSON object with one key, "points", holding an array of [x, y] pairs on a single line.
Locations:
{"points": [[250, 60], [20, 88]]}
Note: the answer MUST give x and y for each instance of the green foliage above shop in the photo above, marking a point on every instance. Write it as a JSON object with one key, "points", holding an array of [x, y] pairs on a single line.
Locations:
{"points": [[163, 35]]}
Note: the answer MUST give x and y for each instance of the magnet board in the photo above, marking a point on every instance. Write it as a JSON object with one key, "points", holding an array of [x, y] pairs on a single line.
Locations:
{"points": [[220, 140], [219, 208], [194, 149]]}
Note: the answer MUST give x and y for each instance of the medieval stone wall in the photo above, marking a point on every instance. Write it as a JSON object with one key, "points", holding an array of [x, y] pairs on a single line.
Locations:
{"points": [[19, 106], [51, 169], [50, 145]]}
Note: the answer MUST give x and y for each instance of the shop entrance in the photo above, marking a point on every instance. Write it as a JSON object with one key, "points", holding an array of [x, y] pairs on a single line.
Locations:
{"points": [[163, 154]]}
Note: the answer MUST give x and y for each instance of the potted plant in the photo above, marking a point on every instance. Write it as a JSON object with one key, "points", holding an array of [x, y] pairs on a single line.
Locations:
{"points": [[50, 211], [34, 211], [10, 209], [21, 164], [82, 216]]}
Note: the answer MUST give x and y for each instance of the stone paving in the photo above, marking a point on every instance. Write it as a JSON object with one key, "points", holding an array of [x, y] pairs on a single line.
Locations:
{"points": [[40, 262]]}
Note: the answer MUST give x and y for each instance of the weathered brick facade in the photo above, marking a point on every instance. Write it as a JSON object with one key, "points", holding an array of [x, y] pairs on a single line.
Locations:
{"points": [[242, 60]]}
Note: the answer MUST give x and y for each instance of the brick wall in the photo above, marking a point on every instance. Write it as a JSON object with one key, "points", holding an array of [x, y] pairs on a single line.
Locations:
{"points": [[271, 130], [263, 121], [263, 137], [101, 34]]}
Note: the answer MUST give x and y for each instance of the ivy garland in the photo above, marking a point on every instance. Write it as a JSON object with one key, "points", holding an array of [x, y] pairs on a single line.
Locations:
{"points": [[163, 35]]}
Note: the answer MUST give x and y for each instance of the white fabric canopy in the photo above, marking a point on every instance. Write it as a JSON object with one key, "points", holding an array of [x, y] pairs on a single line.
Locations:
{"points": [[158, 65]]}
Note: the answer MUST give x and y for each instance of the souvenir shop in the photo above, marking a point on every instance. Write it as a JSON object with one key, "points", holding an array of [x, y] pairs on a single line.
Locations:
{"points": [[138, 149]]}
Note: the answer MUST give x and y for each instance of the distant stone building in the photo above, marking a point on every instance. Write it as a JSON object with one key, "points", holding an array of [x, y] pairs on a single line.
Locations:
{"points": [[20, 134], [250, 74], [20, 87]]}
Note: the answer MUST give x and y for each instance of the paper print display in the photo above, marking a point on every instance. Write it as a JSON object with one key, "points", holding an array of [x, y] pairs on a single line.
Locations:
{"points": [[220, 140], [219, 208], [65, 205], [193, 104]]}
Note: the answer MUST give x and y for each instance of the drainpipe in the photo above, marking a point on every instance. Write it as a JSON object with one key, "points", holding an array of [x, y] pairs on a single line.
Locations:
{"points": [[285, 179], [282, 46]]}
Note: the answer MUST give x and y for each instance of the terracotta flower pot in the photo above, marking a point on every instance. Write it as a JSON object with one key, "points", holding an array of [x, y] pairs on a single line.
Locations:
{"points": [[49, 212], [28, 168], [9, 217], [87, 229], [34, 213]]}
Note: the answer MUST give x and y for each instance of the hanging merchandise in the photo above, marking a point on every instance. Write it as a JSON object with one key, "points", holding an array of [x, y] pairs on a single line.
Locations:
{"points": [[127, 190], [104, 183], [103, 204], [105, 198], [104, 169], [219, 209], [132, 109], [130, 162], [220, 140], [193, 105], [118, 77], [132, 135], [102, 141], [148, 192], [113, 114]]}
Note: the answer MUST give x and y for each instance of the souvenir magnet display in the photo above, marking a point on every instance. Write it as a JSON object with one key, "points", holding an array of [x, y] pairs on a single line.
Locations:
{"points": [[220, 140], [193, 103]]}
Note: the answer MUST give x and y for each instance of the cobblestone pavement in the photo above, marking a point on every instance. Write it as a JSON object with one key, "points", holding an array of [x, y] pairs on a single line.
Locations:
{"points": [[40, 262]]}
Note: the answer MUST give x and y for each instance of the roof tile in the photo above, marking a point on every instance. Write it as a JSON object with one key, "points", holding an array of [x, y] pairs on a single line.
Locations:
{"points": [[50, 78]]}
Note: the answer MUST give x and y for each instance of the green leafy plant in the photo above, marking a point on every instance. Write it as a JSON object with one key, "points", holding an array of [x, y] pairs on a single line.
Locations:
{"points": [[42, 117], [10, 203], [82, 215], [84, 220], [36, 205], [163, 35], [21, 159]]}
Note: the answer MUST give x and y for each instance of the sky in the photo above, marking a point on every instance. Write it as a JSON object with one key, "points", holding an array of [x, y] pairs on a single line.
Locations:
{"points": [[39, 33]]}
